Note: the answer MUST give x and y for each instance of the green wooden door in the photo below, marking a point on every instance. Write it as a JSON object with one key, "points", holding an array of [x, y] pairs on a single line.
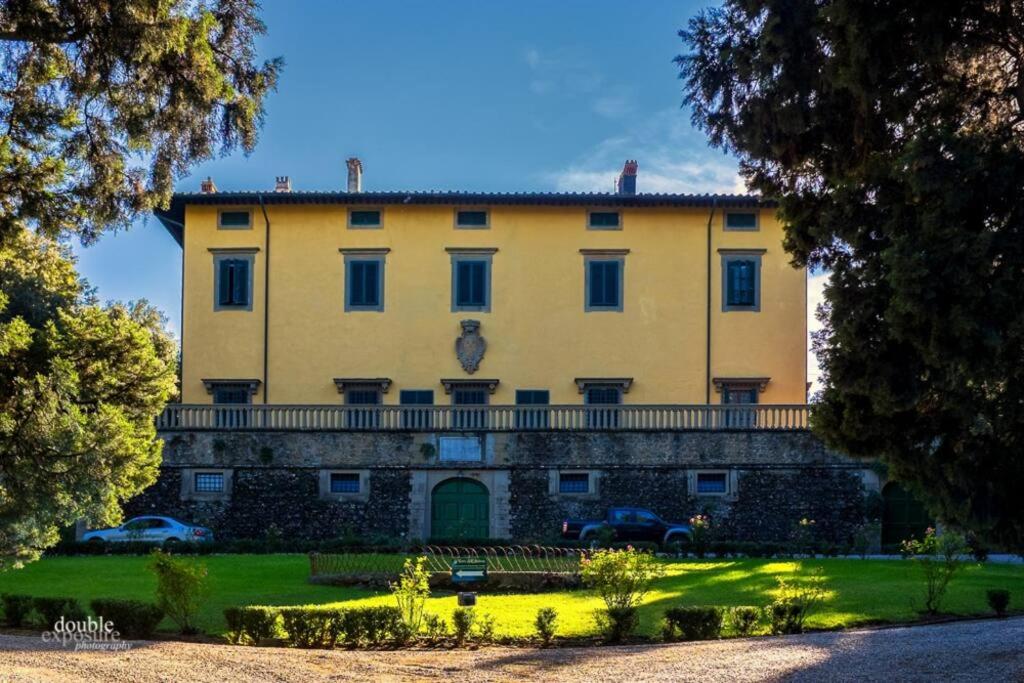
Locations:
{"points": [[903, 516], [459, 509]]}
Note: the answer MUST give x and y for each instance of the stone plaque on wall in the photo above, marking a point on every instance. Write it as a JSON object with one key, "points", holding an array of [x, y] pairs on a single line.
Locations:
{"points": [[460, 448]]}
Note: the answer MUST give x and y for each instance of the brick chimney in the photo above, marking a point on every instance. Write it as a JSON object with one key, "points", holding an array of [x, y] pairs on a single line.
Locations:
{"points": [[355, 174], [208, 186], [627, 179], [283, 184]]}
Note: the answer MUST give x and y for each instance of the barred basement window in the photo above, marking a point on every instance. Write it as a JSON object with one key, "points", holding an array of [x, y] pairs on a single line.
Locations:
{"points": [[573, 482], [209, 482], [712, 483], [344, 482]]}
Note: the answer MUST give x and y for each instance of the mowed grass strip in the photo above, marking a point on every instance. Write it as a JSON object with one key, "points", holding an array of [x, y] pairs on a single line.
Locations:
{"points": [[860, 591]]}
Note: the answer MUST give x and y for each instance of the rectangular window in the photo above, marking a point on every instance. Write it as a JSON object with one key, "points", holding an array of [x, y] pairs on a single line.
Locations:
{"points": [[470, 412], [364, 218], [228, 395], [573, 482], [364, 284], [741, 220], [344, 482], [602, 418], [741, 282], [365, 418], [603, 220], [234, 283], [474, 218], [209, 482], [712, 483], [532, 418], [471, 284], [604, 284], [234, 220], [413, 417]]}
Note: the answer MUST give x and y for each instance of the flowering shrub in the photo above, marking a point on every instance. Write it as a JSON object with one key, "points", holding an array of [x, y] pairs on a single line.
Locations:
{"points": [[699, 527], [939, 559], [795, 601]]}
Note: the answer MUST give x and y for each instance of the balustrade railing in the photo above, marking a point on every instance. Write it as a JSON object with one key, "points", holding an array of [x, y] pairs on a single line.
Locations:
{"points": [[495, 418]]}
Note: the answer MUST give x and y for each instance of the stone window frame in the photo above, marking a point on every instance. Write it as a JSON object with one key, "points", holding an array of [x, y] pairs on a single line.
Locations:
{"points": [[725, 220], [325, 492], [380, 218], [233, 254], [730, 255], [220, 219], [591, 226], [250, 385], [378, 254], [188, 484], [731, 483], [453, 438], [723, 385], [604, 255], [460, 209], [593, 484], [485, 254]]}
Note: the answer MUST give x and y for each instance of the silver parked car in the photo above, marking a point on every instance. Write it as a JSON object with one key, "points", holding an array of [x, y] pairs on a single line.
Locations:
{"points": [[152, 530]]}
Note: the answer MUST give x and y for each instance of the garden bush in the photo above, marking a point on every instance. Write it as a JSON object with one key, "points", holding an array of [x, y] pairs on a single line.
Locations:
{"points": [[51, 610], [462, 622], [938, 558], [16, 609], [180, 588], [617, 623], [436, 628], [743, 619], [998, 600], [692, 623], [621, 577], [485, 628], [233, 619], [700, 527], [545, 624], [259, 623], [411, 592], [311, 626], [131, 618], [797, 598]]}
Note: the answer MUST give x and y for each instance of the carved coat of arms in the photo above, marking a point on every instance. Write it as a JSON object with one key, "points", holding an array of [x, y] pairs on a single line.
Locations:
{"points": [[470, 347]]}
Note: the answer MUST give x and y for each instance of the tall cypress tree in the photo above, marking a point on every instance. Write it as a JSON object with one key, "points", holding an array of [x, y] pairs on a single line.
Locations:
{"points": [[890, 131]]}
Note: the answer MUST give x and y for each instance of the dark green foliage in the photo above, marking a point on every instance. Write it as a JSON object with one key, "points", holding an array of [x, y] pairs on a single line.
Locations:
{"points": [[743, 619], [16, 609], [998, 600], [692, 623], [51, 610], [305, 627], [890, 134], [259, 623], [786, 616], [233, 620], [617, 623], [131, 618], [462, 622], [545, 624], [80, 388], [106, 103], [181, 586]]}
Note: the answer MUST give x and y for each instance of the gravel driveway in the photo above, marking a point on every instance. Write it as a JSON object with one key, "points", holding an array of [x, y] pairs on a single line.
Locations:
{"points": [[987, 650]]}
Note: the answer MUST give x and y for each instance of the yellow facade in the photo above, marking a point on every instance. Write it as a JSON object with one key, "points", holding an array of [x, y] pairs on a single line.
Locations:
{"points": [[538, 334]]}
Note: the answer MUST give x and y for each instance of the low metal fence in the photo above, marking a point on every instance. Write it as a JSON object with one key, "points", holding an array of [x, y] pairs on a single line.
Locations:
{"points": [[517, 559]]}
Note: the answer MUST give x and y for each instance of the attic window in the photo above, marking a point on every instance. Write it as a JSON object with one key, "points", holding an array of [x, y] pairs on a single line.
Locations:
{"points": [[471, 218], [234, 220]]}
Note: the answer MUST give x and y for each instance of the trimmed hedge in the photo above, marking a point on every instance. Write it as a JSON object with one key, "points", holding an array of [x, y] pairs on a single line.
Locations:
{"points": [[50, 610], [692, 623], [16, 609], [314, 626], [131, 618]]}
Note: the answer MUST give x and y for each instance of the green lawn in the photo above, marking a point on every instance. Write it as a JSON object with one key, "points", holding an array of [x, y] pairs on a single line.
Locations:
{"points": [[859, 591]]}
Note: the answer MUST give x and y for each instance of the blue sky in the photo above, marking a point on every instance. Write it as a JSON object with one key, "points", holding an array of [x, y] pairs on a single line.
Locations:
{"points": [[510, 96]]}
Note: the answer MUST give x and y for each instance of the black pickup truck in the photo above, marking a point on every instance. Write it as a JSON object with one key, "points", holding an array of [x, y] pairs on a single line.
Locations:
{"points": [[629, 524]]}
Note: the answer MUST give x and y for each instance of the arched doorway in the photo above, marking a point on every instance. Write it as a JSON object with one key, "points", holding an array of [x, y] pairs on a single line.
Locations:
{"points": [[903, 516], [459, 508]]}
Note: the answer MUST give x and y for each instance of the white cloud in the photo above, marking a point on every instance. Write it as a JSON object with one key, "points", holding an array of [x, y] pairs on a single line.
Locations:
{"points": [[672, 156], [815, 296]]}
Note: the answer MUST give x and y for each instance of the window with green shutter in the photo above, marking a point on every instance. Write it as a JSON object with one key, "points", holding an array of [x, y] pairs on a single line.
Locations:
{"points": [[604, 284], [741, 280], [233, 275]]}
